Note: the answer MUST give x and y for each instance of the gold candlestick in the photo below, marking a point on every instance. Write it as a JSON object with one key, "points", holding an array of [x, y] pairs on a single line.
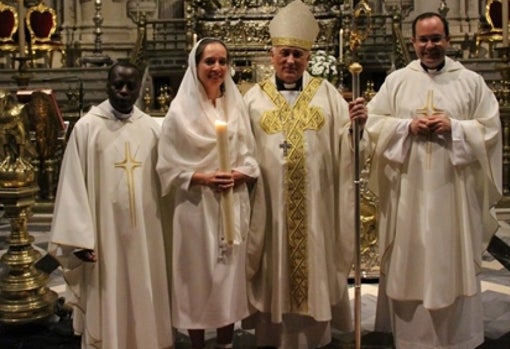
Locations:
{"points": [[23, 295]]}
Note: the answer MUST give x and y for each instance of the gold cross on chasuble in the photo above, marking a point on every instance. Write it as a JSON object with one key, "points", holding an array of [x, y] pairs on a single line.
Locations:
{"points": [[292, 122], [128, 165], [428, 110]]}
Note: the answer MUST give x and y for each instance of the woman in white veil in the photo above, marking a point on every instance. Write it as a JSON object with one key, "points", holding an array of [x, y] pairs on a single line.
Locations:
{"points": [[208, 274]]}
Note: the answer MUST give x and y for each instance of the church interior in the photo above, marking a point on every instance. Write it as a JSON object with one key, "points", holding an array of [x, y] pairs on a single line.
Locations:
{"points": [[54, 56]]}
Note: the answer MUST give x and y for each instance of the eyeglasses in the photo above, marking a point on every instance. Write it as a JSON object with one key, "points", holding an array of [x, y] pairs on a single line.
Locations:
{"points": [[434, 39]]}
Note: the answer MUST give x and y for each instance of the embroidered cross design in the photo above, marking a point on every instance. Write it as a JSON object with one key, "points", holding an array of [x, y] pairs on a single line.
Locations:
{"points": [[128, 165], [429, 110]]}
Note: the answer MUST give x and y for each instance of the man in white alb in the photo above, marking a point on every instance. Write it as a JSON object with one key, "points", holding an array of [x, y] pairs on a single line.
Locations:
{"points": [[437, 172], [107, 226]]}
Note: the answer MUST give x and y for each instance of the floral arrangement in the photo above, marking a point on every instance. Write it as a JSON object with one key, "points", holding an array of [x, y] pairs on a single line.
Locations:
{"points": [[323, 65]]}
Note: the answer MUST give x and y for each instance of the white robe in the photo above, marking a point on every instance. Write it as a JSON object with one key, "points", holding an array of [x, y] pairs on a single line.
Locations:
{"points": [[330, 230], [108, 201], [208, 277], [436, 198]]}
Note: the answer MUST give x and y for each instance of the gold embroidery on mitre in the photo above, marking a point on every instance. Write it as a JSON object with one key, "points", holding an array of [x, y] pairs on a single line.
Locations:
{"points": [[294, 25], [293, 121], [128, 165], [304, 44]]}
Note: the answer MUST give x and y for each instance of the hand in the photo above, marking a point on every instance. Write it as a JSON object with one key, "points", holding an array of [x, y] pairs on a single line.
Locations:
{"points": [[218, 181], [427, 125], [86, 255], [358, 111], [240, 178], [419, 127], [439, 124]]}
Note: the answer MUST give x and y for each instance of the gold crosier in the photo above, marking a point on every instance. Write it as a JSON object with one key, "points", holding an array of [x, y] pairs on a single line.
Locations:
{"points": [[129, 164], [293, 121], [429, 110]]}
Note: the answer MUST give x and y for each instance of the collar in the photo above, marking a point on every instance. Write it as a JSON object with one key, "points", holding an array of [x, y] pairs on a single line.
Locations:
{"points": [[118, 115], [281, 86], [433, 70]]}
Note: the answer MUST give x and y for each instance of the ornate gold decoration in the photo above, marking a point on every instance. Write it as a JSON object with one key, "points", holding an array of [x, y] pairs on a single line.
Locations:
{"points": [[8, 43], [97, 58], [362, 24], [162, 100], [46, 126], [147, 100], [370, 260], [291, 42], [128, 165], [489, 28], [293, 122], [23, 295], [15, 168], [244, 25], [41, 22], [369, 91]]}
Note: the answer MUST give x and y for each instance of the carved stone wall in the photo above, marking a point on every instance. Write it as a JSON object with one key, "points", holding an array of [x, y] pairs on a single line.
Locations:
{"points": [[243, 24]]}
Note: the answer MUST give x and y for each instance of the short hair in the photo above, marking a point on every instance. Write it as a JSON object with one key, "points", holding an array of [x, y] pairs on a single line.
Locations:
{"points": [[124, 64], [426, 15], [203, 43]]}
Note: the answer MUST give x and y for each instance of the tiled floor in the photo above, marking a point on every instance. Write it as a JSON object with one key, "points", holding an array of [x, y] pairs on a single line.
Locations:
{"points": [[495, 287]]}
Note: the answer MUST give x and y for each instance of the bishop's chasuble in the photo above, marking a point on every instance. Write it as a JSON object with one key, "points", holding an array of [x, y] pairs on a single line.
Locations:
{"points": [[305, 154], [437, 195], [108, 201]]}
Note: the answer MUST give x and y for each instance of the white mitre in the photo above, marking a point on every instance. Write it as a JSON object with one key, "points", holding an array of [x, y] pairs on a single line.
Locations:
{"points": [[294, 25]]}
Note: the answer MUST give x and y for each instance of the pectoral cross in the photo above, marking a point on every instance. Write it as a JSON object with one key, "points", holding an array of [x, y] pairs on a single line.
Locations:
{"points": [[429, 110], [285, 147], [129, 164]]}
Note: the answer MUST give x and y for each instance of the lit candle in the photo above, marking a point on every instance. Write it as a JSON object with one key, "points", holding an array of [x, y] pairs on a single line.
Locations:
{"points": [[341, 45], [194, 38], [505, 23], [21, 28], [227, 199]]}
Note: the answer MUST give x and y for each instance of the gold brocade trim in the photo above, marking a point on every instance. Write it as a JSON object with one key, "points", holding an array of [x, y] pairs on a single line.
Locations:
{"points": [[304, 44], [293, 121], [128, 165]]}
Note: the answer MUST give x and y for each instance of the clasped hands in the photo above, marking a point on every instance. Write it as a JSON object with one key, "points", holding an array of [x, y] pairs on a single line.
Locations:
{"points": [[220, 181], [427, 125]]}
